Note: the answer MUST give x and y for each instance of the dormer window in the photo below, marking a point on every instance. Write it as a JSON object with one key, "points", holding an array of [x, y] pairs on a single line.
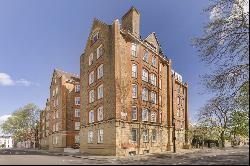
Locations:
{"points": [[95, 37]]}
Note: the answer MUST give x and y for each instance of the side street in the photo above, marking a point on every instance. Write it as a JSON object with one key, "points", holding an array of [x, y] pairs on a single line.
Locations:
{"points": [[227, 156]]}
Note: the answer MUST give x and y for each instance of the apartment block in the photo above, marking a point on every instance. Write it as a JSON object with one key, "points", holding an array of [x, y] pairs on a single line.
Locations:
{"points": [[44, 126], [64, 112], [180, 107], [126, 91]]}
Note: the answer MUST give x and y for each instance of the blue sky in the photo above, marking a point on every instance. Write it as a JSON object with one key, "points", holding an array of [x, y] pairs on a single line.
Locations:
{"points": [[38, 36]]}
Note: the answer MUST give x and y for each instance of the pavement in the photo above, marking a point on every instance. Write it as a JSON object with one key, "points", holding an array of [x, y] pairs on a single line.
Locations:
{"points": [[227, 156]]}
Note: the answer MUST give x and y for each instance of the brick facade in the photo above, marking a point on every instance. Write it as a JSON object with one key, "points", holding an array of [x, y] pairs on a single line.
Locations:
{"points": [[118, 48], [62, 117]]}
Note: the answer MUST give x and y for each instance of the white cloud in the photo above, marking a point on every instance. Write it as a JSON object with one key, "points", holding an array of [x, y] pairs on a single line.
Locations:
{"points": [[6, 80]]}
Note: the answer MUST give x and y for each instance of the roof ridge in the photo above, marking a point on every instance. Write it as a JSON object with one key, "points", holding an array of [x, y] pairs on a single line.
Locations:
{"points": [[66, 72]]}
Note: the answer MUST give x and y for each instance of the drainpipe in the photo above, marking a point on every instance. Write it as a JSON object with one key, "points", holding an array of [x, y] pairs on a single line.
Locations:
{"points": [[173, 119]]}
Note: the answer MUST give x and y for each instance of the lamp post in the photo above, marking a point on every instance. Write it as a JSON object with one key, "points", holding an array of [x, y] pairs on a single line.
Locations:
{"points": [[173, 119]]}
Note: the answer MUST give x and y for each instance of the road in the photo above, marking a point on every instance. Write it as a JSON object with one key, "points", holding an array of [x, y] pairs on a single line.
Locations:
{"points": [[229, 156]]}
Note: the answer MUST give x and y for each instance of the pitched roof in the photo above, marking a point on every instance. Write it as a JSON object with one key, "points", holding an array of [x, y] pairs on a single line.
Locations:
{"points": [[66, 74], [153, 34]]}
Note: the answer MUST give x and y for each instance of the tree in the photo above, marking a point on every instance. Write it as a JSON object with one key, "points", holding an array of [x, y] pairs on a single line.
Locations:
{"points": [[23, 123], [225, 45], [216, 114], [239, 124]]}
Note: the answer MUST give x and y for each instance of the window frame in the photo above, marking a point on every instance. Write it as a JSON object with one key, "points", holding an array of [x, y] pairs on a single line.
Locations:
{"points": [[76, 100], [136, 135], [91, 59], [134, 112], [153, 97], [145, 136], [145, 93], [77, 126], [145, 119], [100, 136], [134, 50], [91, 96], [100, 71], [99, 51], [134, 73], [77, 88], [100, 92], [91, 116], [145, 74], [136, 92], [147, 57], [155, 116], [91, 77], [77, 113], [154, 135], [90, 136], [100, 114]]}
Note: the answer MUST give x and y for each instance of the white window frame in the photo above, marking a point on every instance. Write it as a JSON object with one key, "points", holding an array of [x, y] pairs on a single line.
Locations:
{"points": [[153, 116], [91, 59], [91, 96], [153, 79], [100, 136], [144, 75], [134, 70], [77, 125], [90, 136], [146, 56], [144, 94], [153, 61], [100, 114], [144, 114], [77, 139], [145, 135], [100, 92], [77, 88], [91, 77], [134, 49], [99, 51], [91, 116], [134, 91], [134, 113], [77, 101], [100, 71], [136, 132], [154, 135], [153, 97], [77, 113]]}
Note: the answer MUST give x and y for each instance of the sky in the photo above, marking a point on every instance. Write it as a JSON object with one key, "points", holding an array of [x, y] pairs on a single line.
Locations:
{"points": [[38, 36]]}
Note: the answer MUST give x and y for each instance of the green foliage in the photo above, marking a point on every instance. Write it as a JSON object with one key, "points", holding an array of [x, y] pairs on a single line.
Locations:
{"points": [[240, 123], [23, 123], [242, 98]]}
